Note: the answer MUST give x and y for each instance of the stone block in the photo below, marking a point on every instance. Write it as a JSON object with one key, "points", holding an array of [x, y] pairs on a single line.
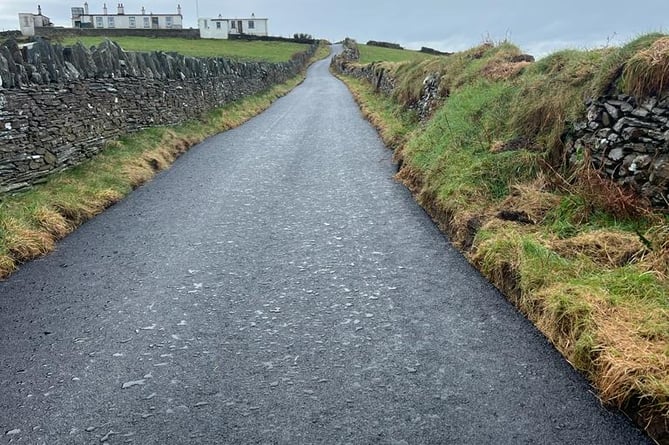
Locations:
{"points": [[614, 112]]}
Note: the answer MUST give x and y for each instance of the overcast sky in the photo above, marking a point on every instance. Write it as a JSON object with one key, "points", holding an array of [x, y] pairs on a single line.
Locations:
{"points": [[537, 26]]}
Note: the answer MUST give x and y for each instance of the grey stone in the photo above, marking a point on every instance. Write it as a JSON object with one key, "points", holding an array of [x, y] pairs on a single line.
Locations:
{"points": [[661, 119], [613, 137], [606, 119], [640, 112], [649, 103], [632, 133], [130, 384], [594, 113], [618, 127], [626, 107], [604, 133], [640, 162], [622, 105], [612, 110], [616, 154], [594, 125], [631, 122]]}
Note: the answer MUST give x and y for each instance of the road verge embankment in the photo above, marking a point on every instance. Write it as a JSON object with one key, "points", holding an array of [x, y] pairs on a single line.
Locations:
{"points": [[550, 177]]}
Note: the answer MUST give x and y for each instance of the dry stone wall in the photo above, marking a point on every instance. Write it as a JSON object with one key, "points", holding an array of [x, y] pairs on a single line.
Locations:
{"points": [[56, 32], [58, 106], [347, 63], [628, 140]]}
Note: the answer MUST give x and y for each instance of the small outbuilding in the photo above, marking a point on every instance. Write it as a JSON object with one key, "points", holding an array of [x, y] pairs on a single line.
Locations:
{"points": [[28, 21]]}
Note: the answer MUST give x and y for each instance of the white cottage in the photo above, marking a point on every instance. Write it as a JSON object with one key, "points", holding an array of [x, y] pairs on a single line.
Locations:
{"points": [[221, 28], [82, 18], [29, 21]]}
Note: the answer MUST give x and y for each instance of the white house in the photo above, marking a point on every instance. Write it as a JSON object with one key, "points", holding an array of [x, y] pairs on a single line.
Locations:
{"points": [[82, 18], [220, 28], [29, 21]]}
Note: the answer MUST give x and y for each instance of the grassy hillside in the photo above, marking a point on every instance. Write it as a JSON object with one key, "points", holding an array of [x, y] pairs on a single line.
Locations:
{"points": [[369, 54], [577, 254], [235, 49]]}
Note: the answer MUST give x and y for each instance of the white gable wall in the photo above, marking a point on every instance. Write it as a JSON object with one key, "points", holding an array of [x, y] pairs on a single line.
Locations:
{"points": [[27, 24], [220, 28], [213, 28]]}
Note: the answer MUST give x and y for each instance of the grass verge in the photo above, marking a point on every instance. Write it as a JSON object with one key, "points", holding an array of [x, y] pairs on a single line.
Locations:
{"points": [[590, 272], [32, 221]]}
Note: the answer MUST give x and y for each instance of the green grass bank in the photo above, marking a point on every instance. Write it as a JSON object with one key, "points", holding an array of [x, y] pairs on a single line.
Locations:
{"points": [[581, 257]]}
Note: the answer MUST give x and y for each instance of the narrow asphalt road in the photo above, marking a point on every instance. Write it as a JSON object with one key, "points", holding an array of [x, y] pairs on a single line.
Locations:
{"points": [[277, 286]]}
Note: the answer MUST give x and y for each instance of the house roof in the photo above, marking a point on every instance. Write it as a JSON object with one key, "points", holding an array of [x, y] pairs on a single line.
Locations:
{"points": [[130, 14], [217, 19]]}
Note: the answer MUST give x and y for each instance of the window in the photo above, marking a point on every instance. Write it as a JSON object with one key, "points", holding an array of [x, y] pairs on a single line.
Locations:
{"points": [[168, 22], [110, 22], [233, 25], [147, 22], [99, 23], [252, 24], [132, 22], [26, 21], [218, 25]]}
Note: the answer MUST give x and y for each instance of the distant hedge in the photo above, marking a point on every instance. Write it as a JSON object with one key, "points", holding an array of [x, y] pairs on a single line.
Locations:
{"points": [[433, 51], [309, 41], [384, 44]]}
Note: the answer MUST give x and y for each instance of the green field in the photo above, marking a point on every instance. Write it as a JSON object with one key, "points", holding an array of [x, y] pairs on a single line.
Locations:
{"points": [[369, 54], [234, 49]]}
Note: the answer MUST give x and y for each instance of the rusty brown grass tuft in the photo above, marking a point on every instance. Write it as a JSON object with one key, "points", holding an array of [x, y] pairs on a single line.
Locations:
{"points": [[603, 194], [503, 70], [646, 73]]}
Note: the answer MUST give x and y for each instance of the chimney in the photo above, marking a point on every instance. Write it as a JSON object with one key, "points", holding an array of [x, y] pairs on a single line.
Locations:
{"points": [[39, 10], [104, 8], [143, 11], [120, 9], [179, 9], [86, 8]]}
